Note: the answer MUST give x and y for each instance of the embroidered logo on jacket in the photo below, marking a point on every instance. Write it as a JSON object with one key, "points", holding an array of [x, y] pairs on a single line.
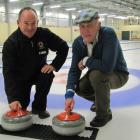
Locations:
{"points": [[41, 48], [41, 45]]}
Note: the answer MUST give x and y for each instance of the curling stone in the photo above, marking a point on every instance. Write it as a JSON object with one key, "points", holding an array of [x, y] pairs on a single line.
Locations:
{"points": [[68, 124], [16, 120]]}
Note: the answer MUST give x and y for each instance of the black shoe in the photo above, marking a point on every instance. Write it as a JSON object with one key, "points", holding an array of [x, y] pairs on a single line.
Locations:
{"points": [[100, 121], [42, 114], [93, 108]]}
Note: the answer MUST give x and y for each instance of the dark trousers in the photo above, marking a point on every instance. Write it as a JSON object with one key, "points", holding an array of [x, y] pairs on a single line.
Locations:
{"points": [[42, 84], [95, 86]]}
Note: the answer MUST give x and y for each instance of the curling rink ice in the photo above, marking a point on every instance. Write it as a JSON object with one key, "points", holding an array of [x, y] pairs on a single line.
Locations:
{"points": [[125, 102]]}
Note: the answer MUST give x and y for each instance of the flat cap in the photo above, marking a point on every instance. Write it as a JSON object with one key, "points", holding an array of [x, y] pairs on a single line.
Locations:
{"points": [[86, 16]]}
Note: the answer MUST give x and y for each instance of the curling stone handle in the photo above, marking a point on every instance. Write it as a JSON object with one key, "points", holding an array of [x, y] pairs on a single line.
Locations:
{"points": [[68, 113], [20, 112]]}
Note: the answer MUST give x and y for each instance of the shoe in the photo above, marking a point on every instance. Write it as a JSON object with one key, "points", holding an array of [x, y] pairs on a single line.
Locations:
{"points": [[100, 121], [42, 114], [93, 108]]}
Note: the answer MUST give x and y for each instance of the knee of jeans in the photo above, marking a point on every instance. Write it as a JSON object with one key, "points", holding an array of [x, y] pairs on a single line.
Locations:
{"points": [[97, 76]]}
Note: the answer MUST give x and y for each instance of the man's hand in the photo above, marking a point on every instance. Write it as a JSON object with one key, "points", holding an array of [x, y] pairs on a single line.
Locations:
{"points": [[47, 69], [80, 65], [69, 104], [15, 106]]}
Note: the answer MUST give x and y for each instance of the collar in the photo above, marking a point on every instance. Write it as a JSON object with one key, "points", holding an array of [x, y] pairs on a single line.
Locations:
{"points": [[94, 42]]}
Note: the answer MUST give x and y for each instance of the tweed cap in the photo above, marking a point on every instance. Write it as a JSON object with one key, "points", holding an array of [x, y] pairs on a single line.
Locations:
{"points": [[86, 16]]}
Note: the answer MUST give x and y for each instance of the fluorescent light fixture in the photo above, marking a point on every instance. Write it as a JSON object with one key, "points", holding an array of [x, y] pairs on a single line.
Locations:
{"points": [[55, 6], [38, 3], [79, 11], [70, 9], [111, 16], [121, 17], [105, 14], [13, 0]]}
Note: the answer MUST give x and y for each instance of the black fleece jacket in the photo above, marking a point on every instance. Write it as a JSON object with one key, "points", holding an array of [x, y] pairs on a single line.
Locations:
{"points": [[24, 57]]}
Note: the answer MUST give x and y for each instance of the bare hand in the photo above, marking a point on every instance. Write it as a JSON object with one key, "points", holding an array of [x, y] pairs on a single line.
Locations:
{"points": [[80, 65], [69, 104], [47, 69], [15, 106]]}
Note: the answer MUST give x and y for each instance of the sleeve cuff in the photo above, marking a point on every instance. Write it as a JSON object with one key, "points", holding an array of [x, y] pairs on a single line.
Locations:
{"points": [[85, 60], [70, 93]]}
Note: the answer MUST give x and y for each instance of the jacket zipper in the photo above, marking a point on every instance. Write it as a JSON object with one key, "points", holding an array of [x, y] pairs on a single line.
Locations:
{"points": [[32, 44]]}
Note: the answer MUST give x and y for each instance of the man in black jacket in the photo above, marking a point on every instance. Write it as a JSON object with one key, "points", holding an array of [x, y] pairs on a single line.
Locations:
{"points": [[25, 63]]}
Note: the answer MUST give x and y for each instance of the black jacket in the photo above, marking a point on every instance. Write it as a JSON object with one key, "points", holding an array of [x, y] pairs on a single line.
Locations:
{"points": [[24, 57]]}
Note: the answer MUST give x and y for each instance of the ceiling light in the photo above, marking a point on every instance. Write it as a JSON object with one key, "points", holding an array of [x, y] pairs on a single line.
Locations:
{"points": [[111, 16], [55, 6], [38, 3], [105, 14], [13, 0], [70, 9], [121, 17]]}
